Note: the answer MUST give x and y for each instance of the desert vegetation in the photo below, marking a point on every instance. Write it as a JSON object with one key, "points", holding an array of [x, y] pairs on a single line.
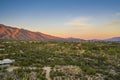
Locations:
{"points": [[68, 60]]}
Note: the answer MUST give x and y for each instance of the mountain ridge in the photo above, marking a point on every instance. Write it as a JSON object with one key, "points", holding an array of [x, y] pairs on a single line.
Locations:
{"points": [[8, 32], [113, 39]]}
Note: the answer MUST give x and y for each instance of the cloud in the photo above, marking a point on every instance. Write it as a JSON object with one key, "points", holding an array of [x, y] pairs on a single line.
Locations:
{"points": [[78, 22], [113, 23], [117, 14]]}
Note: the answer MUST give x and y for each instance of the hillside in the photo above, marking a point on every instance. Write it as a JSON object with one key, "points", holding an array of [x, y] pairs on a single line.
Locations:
{"points": [[8, 32]]}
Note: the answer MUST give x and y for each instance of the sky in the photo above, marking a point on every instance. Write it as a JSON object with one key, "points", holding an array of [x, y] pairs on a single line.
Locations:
{"points": [[87, 19]]}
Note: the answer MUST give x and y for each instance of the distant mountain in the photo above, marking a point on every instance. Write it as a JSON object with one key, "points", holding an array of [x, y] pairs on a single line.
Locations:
{"points": [[74, 39], [95, 40], [7, 32], [113, 39]]}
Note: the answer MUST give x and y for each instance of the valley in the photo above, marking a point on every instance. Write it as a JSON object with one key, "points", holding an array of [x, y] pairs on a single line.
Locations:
{"points": [[60, 60]]}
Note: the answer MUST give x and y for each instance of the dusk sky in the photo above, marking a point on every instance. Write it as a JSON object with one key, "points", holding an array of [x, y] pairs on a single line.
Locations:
{"points": [[87, 19]]}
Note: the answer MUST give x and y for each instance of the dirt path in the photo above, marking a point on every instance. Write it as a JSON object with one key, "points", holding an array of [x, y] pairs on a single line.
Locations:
{"points": [[11, 68], [47, 69]]}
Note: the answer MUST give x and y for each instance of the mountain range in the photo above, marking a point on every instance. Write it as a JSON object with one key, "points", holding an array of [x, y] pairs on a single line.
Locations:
{"points": [[113, 39], [8, 32]]}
